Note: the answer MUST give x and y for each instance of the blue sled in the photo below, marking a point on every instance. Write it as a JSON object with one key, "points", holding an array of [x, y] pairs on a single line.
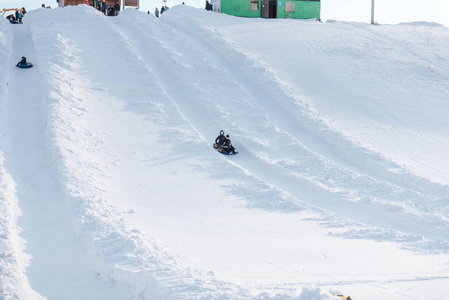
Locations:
{"points": [[222, 151], [28, 65]]}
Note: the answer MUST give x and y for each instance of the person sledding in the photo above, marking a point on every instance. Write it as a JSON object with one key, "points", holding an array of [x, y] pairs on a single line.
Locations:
{"points": [[219, 139], [12, 19], [23, 62], [226, 146]]}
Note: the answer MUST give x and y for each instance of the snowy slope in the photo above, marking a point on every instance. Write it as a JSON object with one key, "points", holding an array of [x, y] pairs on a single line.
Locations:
{"points": [[341, 184], [13, 283]]}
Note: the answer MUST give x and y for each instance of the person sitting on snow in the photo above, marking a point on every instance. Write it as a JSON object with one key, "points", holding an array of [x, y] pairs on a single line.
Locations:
{"points": [[110, 11], [12, 19], [23, 62], [220, 138], [227, 146]]}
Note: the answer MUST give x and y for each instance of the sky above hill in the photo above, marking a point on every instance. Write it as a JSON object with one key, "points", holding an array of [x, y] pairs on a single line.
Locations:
{"points": [[386, 11]]}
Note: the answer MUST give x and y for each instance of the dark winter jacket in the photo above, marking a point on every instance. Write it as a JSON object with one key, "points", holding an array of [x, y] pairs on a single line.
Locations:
{"points": [[220, 139], [226, 144], [208, 6], [23, 62]]}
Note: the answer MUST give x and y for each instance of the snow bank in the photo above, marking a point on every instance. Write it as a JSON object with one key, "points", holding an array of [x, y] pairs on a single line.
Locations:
{"points": [[10, 272], [13, 282]]}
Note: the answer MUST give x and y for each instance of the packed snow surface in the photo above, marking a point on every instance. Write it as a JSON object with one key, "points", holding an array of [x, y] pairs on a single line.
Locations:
{"points": [[110, 187]]}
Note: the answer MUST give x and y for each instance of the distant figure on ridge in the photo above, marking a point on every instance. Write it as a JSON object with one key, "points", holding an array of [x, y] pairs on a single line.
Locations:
{"points": [[117, 8], [110, 11], [19, 16], [208, 6]]}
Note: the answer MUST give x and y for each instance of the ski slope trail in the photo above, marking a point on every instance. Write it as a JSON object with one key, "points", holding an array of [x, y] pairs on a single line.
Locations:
{"points": [[103, 146], [186, 86], [57, 267], [122, 193], [289, 128]]}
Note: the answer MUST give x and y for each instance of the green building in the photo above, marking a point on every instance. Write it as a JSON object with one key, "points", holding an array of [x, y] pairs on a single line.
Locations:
{"points": [[302, 9]]}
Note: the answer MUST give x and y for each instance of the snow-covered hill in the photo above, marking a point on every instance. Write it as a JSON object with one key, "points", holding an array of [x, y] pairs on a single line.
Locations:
{"points": [[110, 188]]}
